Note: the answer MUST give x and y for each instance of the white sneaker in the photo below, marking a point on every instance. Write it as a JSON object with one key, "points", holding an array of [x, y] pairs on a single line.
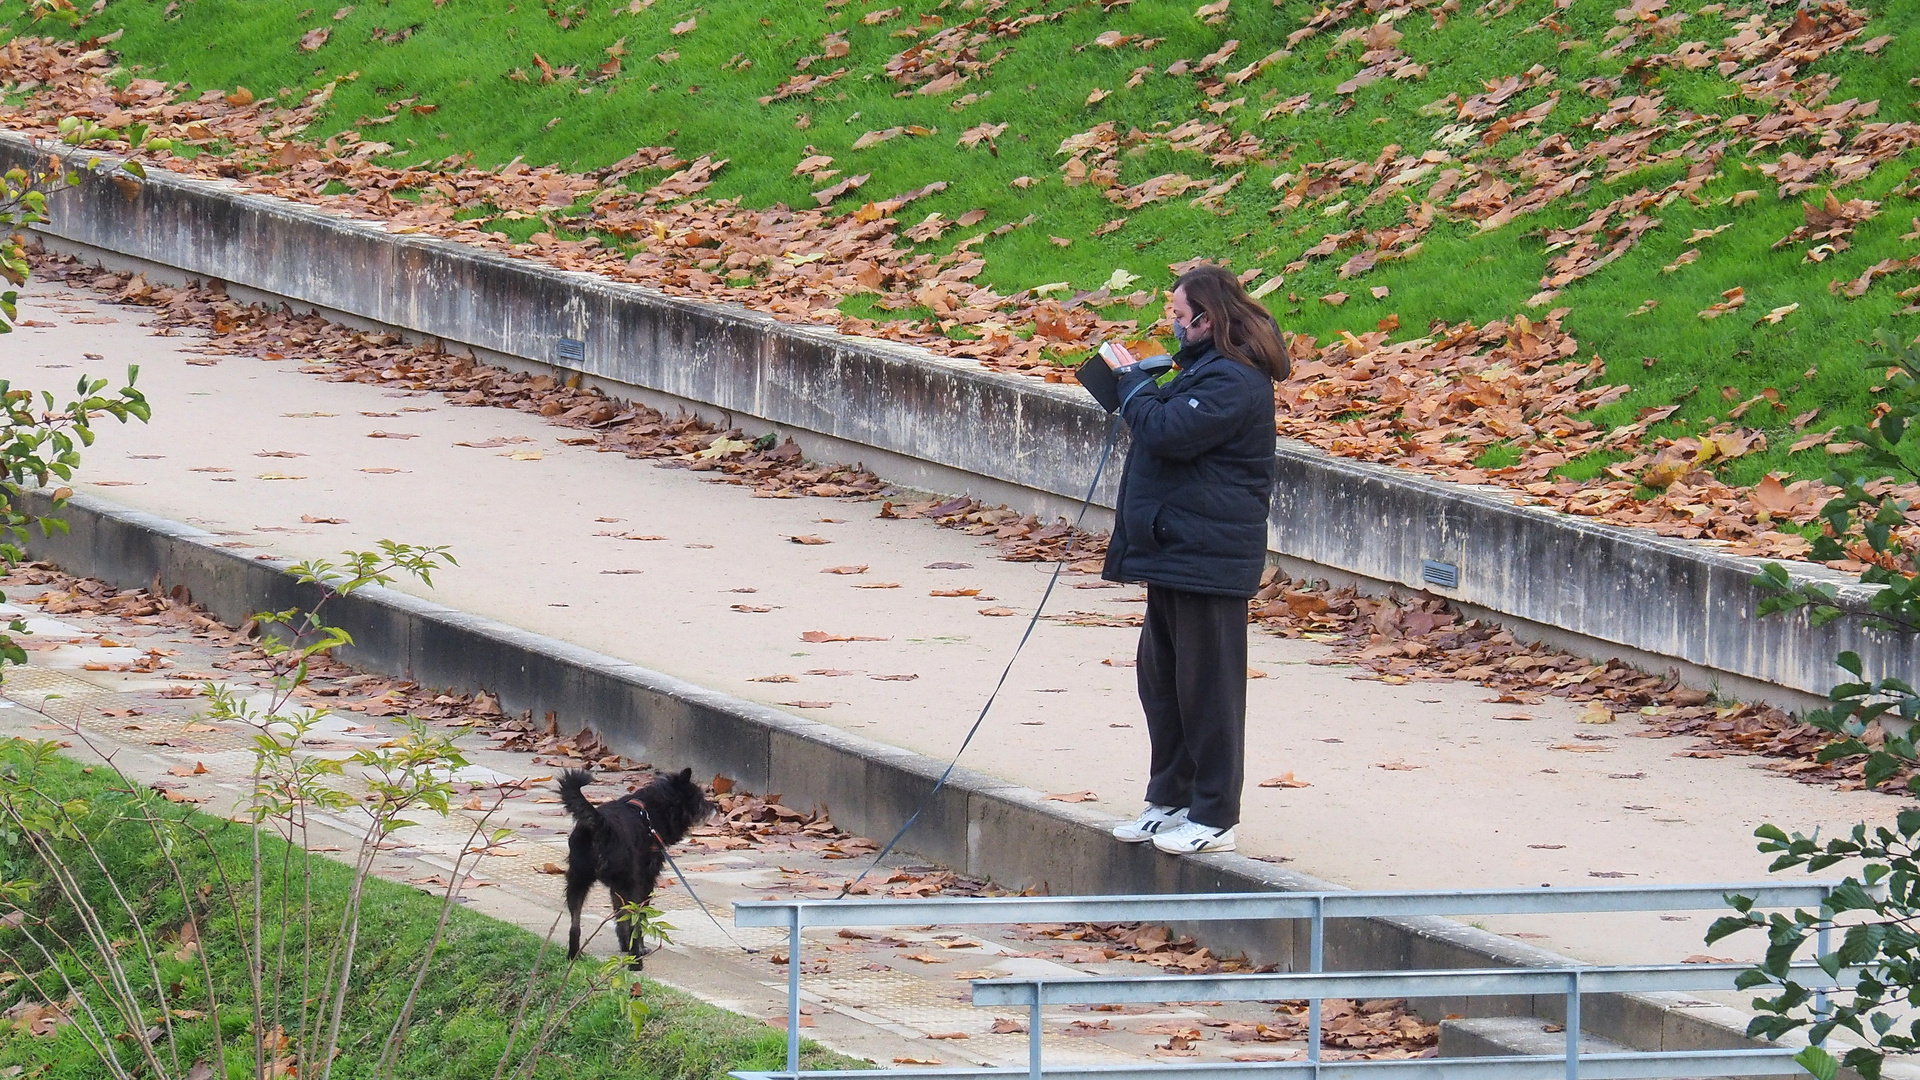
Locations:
{"points": [[1150, 822], [1193, 838]]}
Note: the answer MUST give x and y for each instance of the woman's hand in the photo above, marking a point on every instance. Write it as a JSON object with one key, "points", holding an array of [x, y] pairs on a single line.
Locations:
{"points": [[1116, 355]]}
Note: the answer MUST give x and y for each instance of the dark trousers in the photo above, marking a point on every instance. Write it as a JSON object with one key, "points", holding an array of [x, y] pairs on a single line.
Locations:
{"points": [[1192, 668]]}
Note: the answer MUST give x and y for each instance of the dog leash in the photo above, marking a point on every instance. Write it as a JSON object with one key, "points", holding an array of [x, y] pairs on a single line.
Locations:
{"points": [[666, 850], [1106, 452], [1099, 470]]}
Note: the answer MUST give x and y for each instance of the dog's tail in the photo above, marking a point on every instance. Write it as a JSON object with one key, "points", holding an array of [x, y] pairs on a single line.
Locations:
{"points": [[577, 804]]}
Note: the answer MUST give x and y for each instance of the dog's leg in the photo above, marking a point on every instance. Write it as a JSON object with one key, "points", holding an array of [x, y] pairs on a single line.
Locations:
{"points": [[631, 940], [579, 884]]}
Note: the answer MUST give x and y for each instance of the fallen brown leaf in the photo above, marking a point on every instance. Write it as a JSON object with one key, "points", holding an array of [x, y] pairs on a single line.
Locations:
{"points": [[1284, 780]]}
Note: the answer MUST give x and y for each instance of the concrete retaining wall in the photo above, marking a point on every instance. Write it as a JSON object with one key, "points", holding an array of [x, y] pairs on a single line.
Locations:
{"points": [[979, 825], [1672, 600]]}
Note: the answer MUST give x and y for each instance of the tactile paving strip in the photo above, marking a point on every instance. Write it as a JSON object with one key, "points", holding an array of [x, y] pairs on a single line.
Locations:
{"points": [[32, 685]]}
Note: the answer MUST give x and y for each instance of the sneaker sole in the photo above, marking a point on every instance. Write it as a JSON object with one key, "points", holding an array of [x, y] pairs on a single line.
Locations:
{"points": [[1195, 851]]}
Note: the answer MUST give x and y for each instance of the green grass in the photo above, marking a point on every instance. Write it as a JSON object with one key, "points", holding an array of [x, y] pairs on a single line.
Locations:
{"points": [[462, 57], [461, 1021]]}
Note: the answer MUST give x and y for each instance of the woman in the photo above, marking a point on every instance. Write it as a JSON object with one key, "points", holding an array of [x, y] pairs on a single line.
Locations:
{"points": [[1192, 524]]}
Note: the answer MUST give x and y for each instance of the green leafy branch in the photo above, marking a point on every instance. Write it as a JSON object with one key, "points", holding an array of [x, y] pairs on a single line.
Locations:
{"points": [[1869, 717]]}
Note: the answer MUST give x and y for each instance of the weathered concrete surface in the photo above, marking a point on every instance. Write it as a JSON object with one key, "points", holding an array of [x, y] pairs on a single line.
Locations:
{"points": [[1472, 802], [1666, 598], [980, 825]]}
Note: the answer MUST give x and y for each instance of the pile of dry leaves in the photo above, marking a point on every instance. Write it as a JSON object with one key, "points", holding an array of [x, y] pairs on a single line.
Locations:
{"points": [[748, 820], [744, 820], [91, 596], [38, 1019], [1437, 403], [1399, 640], [895, 882], [1141, 943], [1020, 537], [1373, 1029]]}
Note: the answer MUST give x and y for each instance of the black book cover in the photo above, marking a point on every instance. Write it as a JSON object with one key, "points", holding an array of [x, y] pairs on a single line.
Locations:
{"points": [[1100, 381]]}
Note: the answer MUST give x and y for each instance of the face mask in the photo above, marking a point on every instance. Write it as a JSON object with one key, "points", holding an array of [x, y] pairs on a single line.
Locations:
{"points": [[1180, 331]]}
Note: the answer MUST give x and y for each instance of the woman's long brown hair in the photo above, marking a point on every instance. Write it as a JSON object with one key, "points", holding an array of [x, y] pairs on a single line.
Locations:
{"points": [[1242, 329]]}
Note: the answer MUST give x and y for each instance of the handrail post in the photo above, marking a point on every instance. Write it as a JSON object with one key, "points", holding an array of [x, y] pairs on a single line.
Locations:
{"points": [[1820, 1006], [1033, 1035], [1316, 957], [793, 991], [1573, 1025]]}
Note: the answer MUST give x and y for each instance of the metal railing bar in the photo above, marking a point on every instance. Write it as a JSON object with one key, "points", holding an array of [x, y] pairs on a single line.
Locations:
{"points": [[1316, 961], [1203, 907], [794, 924], [1461, 982], [1618, 1066], [1572, 1066], [1572, 981]]}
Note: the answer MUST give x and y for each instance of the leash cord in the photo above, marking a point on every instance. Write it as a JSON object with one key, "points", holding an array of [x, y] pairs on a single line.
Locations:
{"points": [[666, 850], [1113, 436], [1099, 470]]}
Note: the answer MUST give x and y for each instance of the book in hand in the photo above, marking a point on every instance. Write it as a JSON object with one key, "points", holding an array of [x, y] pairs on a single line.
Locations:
{"points": [[1104, 385], [1100, 381]]}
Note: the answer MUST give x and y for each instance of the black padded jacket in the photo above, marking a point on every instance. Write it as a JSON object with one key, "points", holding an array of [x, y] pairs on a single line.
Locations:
{"points": [[1198, 482]]}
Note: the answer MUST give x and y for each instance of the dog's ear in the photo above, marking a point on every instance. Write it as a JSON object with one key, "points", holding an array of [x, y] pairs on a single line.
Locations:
{"points": [[686, 774]]}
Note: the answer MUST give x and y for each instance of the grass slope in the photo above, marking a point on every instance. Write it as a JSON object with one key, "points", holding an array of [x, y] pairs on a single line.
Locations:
{"points": [[690, 73], [460, 1022]]}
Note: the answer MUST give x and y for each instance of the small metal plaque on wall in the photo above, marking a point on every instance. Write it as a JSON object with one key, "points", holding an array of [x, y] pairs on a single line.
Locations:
{"points": [[571, 349]]}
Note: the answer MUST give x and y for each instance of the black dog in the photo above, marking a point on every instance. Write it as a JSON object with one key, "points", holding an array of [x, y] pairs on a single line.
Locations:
{"points": [[623, 843]]}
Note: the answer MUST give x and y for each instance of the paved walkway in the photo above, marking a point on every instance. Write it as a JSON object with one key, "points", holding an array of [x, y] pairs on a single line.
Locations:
{"points": [[1417, 785], [897, 995]]}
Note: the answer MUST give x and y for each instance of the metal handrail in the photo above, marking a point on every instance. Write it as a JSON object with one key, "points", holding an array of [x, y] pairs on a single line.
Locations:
{"points": [[1442, 982], [1635, 1066], [1573, 981], [1209, 907], [1316, 906]]}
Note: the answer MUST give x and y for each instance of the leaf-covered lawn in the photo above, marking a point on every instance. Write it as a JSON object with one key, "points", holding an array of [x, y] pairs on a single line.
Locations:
{"points": [[1415, 187]]}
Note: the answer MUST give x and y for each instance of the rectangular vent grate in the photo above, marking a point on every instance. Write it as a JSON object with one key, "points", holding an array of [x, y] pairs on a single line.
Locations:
{"points": [[571, 349], [1445, 575]]}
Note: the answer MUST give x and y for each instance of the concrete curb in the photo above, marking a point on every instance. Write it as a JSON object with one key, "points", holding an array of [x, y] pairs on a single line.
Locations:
{"points": [[979, 825], [915, 415]]}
